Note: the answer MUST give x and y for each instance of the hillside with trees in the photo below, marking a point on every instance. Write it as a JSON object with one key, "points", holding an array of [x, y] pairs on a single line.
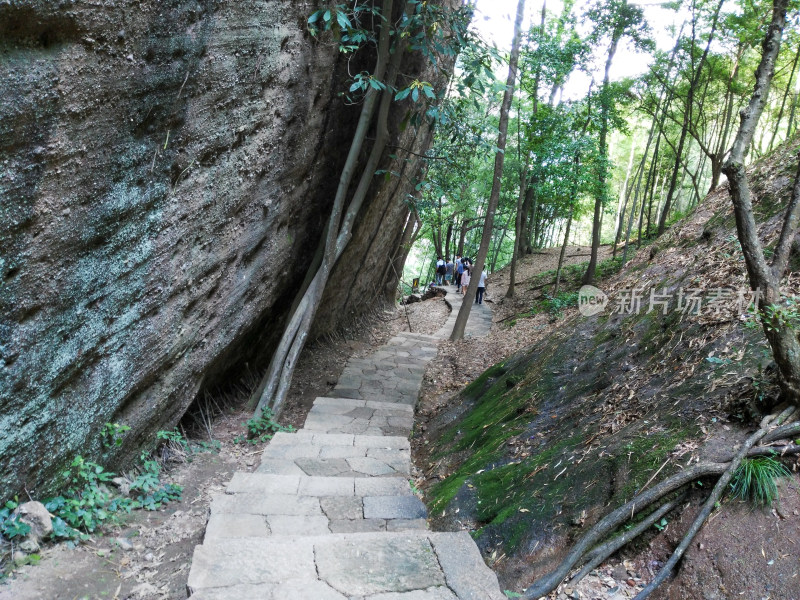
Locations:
{"points": [[209, 208]]}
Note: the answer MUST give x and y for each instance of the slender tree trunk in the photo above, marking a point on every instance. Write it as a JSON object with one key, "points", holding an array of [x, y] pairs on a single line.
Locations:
{"points": [[790, 124], [623, 197], [529, 210], [605, 108], [494, 197], [649, 188], [523, 184], [717, 157], [630, 218], [563, 248], [687, 118], [462, 237], [783, 100], [765, 277], [499, 244], [273, 389]]}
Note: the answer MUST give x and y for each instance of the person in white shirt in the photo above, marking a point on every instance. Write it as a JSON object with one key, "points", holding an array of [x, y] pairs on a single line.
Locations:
{"points": [[440, 271], [481, 288]]}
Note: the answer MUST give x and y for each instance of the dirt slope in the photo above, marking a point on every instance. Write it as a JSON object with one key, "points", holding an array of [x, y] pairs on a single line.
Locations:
{"points": [[547, 441]]}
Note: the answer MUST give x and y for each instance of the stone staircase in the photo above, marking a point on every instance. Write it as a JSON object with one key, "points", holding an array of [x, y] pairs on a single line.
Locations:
{"points": [[330, 514]]}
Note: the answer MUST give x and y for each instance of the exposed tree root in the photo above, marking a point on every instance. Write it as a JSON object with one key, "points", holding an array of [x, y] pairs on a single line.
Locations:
{"points": [[711, 501], [606, 549], [627, 511]]}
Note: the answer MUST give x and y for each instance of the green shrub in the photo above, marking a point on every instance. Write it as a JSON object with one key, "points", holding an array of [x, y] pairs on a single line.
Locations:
{"points": [[555, 305], [88, 502], [261, 429]]}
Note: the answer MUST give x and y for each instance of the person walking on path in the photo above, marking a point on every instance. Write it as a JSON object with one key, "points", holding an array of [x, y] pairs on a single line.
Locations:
{"points": [[448, 273], [481, 288], [465, 280], [440, 270], [459, 271]]}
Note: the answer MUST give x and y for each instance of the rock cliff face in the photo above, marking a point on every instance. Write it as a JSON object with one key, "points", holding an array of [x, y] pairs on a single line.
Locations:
{"points": [[166, 169]]}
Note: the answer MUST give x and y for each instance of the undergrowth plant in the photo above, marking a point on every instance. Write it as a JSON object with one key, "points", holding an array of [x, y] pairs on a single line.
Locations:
{"points": [[10, 525], [755, 479], [555, 305], [261, 429], [112, 434]]}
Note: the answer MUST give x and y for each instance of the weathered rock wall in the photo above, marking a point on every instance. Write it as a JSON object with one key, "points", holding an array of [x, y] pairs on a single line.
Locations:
{"points": [[166, 168]]}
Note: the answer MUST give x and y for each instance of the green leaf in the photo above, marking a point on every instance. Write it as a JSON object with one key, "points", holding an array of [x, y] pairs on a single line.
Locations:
{"points": [[314, 16], [402, 94], [327, 16], [428, 91], [415, 94], [343, 21]]}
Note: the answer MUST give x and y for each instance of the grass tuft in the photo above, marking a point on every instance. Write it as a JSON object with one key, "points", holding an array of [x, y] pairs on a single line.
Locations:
{"points": [[755, 478]]}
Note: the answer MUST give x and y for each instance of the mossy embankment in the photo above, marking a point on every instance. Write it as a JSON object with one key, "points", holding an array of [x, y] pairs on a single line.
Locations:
{"points": [[546, 442]]}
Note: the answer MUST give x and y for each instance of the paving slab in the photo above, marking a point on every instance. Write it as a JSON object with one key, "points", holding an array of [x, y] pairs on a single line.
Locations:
{"points": [[394, 563], [394, 507], [242, 561], [222, 525], [265, 504]]}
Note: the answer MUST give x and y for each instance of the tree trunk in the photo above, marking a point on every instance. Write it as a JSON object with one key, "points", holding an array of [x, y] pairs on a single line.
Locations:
{"points": [[449, 235], [564, 248], [529, 215], [523, 184], [273, 389], [494, 197], [588, 276], [790, 124], [687, 118], [630, 218], [783, 100], [765, 278], [622, 205]]}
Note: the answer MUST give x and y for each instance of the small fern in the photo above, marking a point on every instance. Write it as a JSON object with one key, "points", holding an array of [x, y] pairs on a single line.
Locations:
{"points": [[755, 478]]}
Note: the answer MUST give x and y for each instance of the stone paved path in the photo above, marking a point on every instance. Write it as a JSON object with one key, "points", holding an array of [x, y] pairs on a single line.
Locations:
{"points": [[329, 514]]}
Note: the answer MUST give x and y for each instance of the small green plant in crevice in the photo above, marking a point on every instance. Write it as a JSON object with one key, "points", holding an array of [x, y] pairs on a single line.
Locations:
{"points": [[755, 480], [112, 434], [661, 525], [261, 429], [203, 446]]}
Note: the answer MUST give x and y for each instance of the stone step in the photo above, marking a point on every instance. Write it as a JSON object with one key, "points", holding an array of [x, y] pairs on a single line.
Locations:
{"points": [[401, 397], [347, 415], [262, 505], [411, 565], [336, 455]]}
